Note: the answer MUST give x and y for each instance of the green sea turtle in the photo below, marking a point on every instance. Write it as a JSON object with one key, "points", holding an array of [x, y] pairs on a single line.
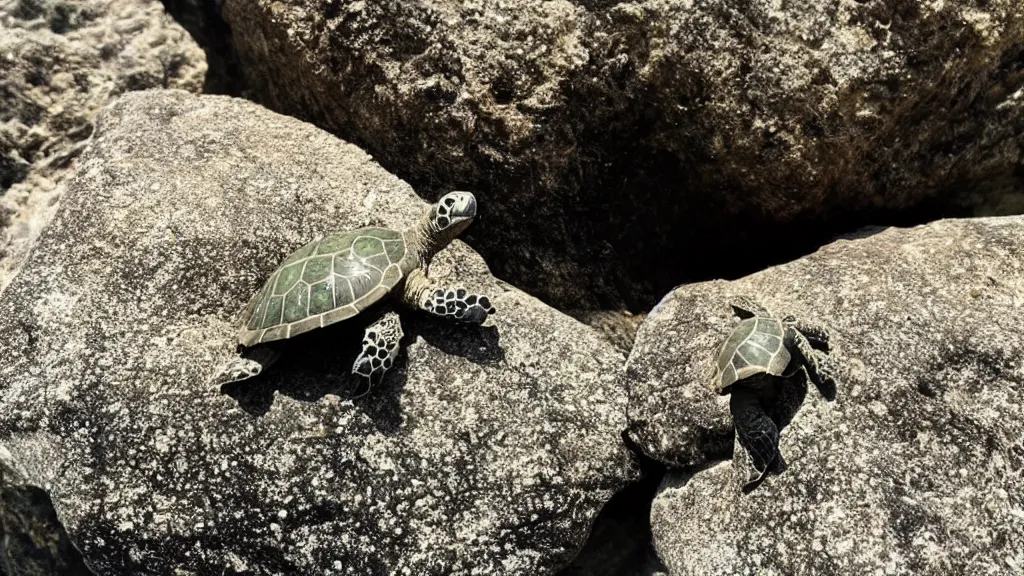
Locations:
{"points": [[758, 365], [339, 276]]}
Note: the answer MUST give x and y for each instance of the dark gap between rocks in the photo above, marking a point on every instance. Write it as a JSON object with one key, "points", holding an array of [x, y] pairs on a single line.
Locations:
{"points": [[672, 247], [202, 20], [639, 221], [620, 540], [34, 539], [677, 241], [622, 232]]}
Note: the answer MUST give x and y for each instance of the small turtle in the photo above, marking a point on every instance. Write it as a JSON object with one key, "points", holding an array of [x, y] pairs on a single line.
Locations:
{"points": [[338, 277], [756, 365]]}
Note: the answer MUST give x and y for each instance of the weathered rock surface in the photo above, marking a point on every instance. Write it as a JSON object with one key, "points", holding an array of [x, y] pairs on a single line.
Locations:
{"points": [[61, 61], [615, 141], [32, 540], [487, 451], [916, 468]]}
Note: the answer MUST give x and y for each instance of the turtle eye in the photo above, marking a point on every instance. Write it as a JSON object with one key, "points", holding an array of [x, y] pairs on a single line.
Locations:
{"points": [[449, 202]]}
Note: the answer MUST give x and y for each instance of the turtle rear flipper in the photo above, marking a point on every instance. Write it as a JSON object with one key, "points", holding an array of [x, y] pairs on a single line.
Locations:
{"points": [[777, 466], [254, 361], [757, 434], [752, 484]]}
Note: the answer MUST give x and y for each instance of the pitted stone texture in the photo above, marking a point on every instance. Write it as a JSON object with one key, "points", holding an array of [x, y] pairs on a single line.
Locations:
{"points": [[917, 467], [485, 450], [615, 141], [61, 62]]}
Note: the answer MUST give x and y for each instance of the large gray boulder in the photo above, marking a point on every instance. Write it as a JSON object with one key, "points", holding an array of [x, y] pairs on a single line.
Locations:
{"points": [[614, 141], [918, 465], [485, 451], [61, 62]]}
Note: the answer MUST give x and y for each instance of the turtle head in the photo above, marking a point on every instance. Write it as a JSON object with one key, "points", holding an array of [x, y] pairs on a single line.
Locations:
{"points": [[445, 220], [452, 213]]}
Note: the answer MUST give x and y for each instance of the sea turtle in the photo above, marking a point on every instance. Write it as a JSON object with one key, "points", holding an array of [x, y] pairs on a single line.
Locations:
{"points": [[339, 276], [757, 365]]}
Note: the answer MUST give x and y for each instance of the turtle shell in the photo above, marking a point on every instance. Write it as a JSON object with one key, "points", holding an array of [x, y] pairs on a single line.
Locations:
{"points": [[755, 346], [326, 281]]}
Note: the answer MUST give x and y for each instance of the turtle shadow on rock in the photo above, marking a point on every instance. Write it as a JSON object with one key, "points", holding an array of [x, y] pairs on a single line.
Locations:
{"points": [[479, 344], [319, 363]]}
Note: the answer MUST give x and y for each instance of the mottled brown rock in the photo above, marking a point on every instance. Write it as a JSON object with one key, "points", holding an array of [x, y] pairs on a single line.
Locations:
{"points": [[918, 465], [61, 62], [488, 450], [618, 142]]}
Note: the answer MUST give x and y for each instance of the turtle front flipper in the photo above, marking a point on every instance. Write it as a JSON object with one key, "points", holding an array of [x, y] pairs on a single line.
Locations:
{"points": [[452, 303], [816, 362], [817, 335], [758, 435], [251, 364], [380, 348], [458, 304]]}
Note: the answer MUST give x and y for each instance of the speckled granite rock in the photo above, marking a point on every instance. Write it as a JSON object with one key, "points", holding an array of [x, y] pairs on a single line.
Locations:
{"points": [[614, 141], [487, 451], [61, 61], [916, 468]]}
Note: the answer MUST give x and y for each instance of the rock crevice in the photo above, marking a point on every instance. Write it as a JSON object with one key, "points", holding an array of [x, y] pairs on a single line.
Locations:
{"points": [[615, 142]]}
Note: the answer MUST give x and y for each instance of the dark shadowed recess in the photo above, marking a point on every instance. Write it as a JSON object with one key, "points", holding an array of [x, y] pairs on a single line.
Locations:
{"points": [[639, 233], [624, 220], [34, 541], [202, 20], [620, 540]]}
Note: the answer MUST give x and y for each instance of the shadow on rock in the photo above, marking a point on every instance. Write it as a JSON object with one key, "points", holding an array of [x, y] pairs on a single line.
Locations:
{"points": [[34, 541], [319, 363], [478, 344]]}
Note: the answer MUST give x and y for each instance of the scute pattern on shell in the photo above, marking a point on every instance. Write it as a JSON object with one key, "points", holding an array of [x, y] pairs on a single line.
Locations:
{"points": [[755, 346], [323, 282]]}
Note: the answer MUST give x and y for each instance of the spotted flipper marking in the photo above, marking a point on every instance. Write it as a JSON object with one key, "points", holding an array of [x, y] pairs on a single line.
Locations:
{"points": [[380, 349], [459, 305]]}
